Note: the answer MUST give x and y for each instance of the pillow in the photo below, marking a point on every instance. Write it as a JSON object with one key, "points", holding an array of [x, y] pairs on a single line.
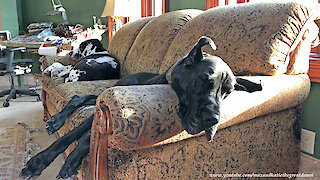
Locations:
{"points": [[124, 38], [253, 38], [151, 44]]}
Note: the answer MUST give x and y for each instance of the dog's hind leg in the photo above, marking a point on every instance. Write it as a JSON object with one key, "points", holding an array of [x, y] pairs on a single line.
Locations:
{"points": [[38, 163], [74, 160], [58, 120]]}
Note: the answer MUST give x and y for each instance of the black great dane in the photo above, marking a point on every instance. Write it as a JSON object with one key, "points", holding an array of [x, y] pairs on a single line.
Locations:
{"points": [[200, 81]]}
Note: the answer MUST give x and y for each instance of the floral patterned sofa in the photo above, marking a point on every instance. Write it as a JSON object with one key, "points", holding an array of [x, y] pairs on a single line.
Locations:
{"points": [[136, 133]]}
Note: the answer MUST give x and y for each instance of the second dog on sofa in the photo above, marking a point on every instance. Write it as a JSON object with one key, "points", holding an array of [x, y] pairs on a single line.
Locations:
{"points": [[95, 63]]}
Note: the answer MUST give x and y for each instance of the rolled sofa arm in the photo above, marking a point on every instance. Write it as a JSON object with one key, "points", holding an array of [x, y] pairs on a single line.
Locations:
{"points": [[136, 117]]}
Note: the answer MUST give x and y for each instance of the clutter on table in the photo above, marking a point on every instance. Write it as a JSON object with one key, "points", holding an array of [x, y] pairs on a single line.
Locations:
{"points": [[45, 39], [64, 30], [38, 27], [62, 45]]}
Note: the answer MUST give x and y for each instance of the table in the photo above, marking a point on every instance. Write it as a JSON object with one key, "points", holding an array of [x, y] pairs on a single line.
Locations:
{"points": [[31, 42]]}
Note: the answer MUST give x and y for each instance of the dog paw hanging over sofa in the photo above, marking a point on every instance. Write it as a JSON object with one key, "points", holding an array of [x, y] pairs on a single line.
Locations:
{"points": [[137, 134]]}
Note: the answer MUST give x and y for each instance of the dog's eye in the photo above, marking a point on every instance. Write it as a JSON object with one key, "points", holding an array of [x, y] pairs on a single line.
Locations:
{"points": [[201, 81]]}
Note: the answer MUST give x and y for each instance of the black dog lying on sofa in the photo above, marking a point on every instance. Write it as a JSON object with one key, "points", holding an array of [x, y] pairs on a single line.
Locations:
{"points": [[200, 81], [94, 63]]}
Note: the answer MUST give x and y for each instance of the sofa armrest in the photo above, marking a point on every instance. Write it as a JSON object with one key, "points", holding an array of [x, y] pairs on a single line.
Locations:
{"points": [[137, 117]]}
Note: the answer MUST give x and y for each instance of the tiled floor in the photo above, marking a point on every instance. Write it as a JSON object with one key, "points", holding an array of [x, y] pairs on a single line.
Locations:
{"points": [[26, 109]]}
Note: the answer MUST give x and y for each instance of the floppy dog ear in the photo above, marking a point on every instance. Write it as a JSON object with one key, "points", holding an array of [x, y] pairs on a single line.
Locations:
{"points": [[195, 54], [246, 85]]}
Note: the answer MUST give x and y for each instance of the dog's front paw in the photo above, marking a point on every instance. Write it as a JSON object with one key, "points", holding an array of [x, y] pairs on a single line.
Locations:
{"points": [[54, 124], [34, 167], [71, 166], [68, 172]]}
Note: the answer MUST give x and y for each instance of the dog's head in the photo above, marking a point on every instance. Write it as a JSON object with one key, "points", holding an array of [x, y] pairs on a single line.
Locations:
{"points": [[201, 82], [86, 48]]}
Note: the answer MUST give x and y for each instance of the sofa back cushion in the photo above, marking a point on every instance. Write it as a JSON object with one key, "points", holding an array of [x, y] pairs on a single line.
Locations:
{"points": [[251, 38], [150, 46], [124, 38]]}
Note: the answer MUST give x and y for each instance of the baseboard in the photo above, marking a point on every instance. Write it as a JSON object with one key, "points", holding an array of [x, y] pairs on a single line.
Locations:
{"points": [[310, 158], [30, 80]]}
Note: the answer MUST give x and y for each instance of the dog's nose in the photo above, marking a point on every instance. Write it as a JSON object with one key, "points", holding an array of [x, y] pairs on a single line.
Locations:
{"points": [[210, 119]]}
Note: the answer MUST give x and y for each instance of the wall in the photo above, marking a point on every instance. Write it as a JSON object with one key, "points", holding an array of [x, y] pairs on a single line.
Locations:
{"points": [[311, 115], [9, 16], [0, 20], [79, 11], [186, 4], [20, 16]]}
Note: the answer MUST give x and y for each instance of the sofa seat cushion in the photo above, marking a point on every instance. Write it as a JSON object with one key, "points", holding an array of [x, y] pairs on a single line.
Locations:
{"points": [[141, 116]]}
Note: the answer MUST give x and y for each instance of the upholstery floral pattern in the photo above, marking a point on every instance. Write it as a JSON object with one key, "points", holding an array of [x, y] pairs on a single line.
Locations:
{"points": [[138, 118]]}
